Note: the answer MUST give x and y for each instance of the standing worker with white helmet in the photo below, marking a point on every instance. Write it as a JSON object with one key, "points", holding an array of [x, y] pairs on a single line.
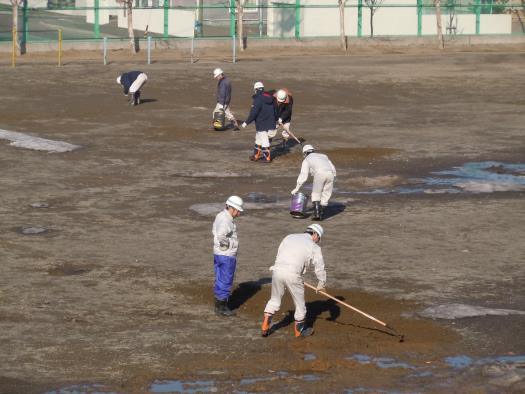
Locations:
{"points": [[296, 253], [264, 113], [225, 245], [323, 172], [284, 114], [224, 94]]}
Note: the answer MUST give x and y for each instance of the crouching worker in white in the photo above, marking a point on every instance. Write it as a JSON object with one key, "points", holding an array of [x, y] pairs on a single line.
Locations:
{"points": [[323, 171], [296, 253]]}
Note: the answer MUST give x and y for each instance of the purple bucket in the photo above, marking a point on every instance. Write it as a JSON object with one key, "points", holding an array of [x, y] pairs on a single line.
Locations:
{"points": [[298, 205]]}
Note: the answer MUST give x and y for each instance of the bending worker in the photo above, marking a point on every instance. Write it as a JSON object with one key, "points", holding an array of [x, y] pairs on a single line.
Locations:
{"points": [[264, 113], [284, 114], [296, 253], [225, 245], [132, 82], [224, 95], [323, 172]]}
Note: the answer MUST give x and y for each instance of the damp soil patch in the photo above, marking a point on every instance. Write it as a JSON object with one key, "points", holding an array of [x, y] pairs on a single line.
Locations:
{"points": [[69, 269]]}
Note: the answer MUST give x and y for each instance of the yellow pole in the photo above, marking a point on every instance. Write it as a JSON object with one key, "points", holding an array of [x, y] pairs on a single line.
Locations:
{"points": [[59, 47], [13, 56]]}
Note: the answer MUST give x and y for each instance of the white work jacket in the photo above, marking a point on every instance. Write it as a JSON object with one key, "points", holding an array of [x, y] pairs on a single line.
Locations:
{"points": [[224, 230], [296, 253], [315, 163]]}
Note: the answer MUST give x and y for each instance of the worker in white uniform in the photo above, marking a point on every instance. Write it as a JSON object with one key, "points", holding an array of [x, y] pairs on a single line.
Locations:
{"points": [[296, 253], [225, 246], [323, 172]]}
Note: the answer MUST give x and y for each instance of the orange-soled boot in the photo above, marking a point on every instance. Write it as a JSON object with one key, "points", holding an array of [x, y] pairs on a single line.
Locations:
{"points": [[266, 324], [256, 153], [267, 158], [301, 330]]}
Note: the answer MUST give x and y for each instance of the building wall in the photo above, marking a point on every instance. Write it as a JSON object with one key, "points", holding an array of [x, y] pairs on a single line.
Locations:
{"points": [[391, 21]]}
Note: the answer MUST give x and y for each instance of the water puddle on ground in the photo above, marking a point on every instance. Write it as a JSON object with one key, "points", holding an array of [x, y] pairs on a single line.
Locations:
{"points": [[459, 311], [39, 204], [21, 140], [32, 230], [210, 386], [380, 362], [475, 177], [183, 386], [93, 388], [499, 371]]}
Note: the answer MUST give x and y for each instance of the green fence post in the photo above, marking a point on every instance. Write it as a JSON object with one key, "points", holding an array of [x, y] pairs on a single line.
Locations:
{"points": [[478, 12], [419, 16], [297, 18], [25, 23], [232, 18], [166, 19], [96, 26], [359, 18]]}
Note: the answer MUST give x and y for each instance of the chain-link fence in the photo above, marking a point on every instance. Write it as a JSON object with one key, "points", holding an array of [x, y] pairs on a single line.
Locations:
{"points": [[92, 20]]}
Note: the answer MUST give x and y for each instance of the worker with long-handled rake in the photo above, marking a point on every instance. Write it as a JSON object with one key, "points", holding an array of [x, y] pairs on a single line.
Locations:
{"points": [[296, 253], [284, 101]]}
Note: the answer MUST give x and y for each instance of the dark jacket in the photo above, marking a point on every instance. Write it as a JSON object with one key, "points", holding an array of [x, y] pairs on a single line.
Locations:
{"points": [[127, 79], [284, 110], [224, 91], [263, 111]]}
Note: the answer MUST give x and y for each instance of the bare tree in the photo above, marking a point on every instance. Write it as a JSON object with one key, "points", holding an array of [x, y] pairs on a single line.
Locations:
{"points": [[128, 10], [16, 4], [342, 24], [437, 4], [240, 30], [373, 6]]}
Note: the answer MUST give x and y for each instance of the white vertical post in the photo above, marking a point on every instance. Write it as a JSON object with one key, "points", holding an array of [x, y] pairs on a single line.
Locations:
{"points": [[105, 46], [233, 47], [149, 49]]}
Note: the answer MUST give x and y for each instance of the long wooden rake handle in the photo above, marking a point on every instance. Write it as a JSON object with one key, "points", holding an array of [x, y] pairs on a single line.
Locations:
{"points": [[402, 337], [345, 304]]}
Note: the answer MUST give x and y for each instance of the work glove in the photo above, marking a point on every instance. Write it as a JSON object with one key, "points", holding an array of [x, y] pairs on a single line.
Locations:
{"points": [[294, 191], [224, 245], [320, 286], [219, 106], [280, 121], [244, 125]]}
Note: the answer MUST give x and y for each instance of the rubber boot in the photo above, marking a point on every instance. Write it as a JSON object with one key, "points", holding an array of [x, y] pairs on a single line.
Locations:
{"points": [[266, 324], [317, 210], [136, 98], [221, 308], [322, 212], [300, 329], [267, 158], [256, 153]]}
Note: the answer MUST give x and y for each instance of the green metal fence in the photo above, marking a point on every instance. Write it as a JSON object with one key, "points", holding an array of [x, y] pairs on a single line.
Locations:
{"points": [[261, 19]]}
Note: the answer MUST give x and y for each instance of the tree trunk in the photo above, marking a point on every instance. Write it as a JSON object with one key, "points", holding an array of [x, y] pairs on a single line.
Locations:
{"points": [[15, 24], [131, 33], [342, 24], [240, 30], [371, 22], [438, 21]]}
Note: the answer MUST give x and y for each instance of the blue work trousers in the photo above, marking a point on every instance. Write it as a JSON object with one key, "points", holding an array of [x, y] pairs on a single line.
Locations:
{"points": [[224, 272]]}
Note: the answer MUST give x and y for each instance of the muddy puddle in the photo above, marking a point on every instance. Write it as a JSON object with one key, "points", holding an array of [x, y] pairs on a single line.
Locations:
{"points": [[475, 177]]}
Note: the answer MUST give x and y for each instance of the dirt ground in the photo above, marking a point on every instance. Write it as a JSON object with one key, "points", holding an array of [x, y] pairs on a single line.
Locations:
{"points": [[116, 296]]}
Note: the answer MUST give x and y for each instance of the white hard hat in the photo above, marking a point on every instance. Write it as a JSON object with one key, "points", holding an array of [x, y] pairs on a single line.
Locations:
{"points": [[118, 79], [258, 85], [308, 148], [217, 72], [235, 202], [316, 228], [281, 95]]}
